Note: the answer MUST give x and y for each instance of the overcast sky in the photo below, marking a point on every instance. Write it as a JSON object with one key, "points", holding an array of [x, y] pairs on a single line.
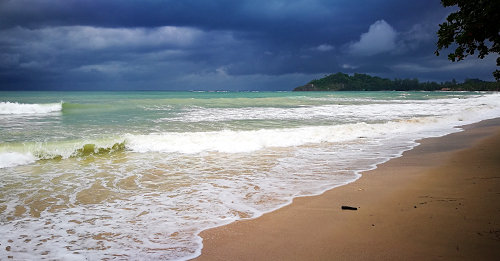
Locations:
{"points": [[220, 44]]}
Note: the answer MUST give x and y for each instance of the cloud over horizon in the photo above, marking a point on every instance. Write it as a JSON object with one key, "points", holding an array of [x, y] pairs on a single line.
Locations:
{"points": [[323, 48], [220, 44], [380, 38]]}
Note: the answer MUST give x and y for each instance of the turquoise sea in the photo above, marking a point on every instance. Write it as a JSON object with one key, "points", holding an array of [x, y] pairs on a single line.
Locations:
{"points": [[137, 175]]}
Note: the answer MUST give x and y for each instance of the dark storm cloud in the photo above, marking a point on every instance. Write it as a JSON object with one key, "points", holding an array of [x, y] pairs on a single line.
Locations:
{"points": [[193, 44], [275, 19]]}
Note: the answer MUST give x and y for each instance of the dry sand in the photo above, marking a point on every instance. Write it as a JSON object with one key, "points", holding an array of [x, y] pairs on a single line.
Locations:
{"points": [[439, 201]]}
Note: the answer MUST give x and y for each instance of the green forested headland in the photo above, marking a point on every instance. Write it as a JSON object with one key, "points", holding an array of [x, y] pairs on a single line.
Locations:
{"points": [[364, 82]]}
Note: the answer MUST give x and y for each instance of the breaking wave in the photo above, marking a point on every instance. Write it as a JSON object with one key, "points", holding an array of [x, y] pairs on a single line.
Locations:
{"points": [[226, 141], [12, 155], [9, 108]]}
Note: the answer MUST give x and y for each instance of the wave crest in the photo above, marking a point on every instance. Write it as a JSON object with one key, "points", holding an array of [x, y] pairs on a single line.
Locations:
{"points": [[9, 108], [11, 156], [12, 159]]}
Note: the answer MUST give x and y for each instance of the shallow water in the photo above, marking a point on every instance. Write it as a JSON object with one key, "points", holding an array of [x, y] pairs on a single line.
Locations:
{"points": [[137, 175]]}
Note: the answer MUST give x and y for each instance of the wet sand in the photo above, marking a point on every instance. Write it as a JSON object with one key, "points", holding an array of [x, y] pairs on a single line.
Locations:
{"points": [[439, 201]]}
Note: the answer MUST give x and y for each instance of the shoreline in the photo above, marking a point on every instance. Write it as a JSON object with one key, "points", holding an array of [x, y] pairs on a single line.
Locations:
{"points": [[445, 206]]}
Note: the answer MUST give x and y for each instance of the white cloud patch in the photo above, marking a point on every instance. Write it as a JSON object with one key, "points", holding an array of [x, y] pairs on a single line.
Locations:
{"points": [[222, 71], [83, 49], [323, 48], [380, 38], [108, 68], [348, 66], [96, 38]]}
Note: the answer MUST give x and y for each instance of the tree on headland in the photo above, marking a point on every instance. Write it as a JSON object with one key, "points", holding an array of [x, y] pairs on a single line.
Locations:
{"points": [[363, 82], [474, 27]]}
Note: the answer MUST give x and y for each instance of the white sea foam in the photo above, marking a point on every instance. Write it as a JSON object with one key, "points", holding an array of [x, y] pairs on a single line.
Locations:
{"points": [[247, 141], [22, 108], [231, 141], [159, 224], [12, 159], [160, 218], [383, 110], [150, 201]]}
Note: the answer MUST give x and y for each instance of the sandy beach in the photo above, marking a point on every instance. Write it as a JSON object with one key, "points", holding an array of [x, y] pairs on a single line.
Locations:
{"points": [[439, 201]]}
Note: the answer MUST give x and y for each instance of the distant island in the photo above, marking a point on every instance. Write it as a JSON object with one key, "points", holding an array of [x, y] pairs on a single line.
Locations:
{"points": [[363, 82]]}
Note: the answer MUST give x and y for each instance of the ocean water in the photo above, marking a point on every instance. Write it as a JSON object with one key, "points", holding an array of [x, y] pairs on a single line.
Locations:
{"points": [[137, 175]]}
